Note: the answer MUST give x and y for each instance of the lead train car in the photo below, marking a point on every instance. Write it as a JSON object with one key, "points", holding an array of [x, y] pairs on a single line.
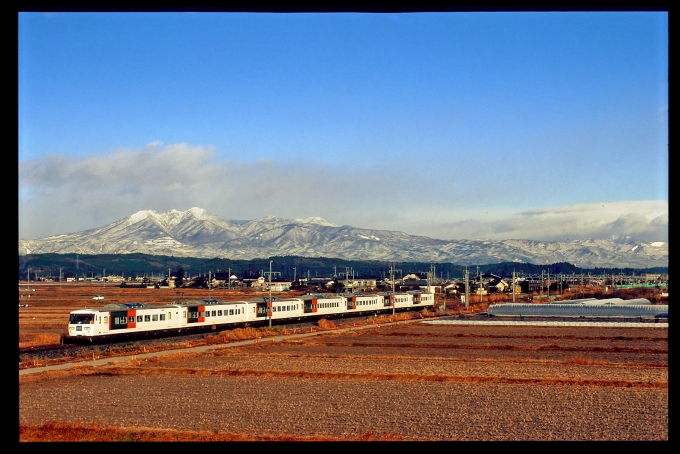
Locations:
{"points": [[135, 320]]}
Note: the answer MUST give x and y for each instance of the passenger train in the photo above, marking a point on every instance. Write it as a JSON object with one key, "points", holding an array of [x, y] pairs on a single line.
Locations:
{"points": [[133, 320]]}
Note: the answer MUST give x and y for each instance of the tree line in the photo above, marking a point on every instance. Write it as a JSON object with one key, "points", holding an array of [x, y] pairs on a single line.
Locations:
{"points": [[287, 267]]}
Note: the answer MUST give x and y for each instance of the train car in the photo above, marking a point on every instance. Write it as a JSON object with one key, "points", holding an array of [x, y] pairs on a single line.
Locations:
{"points": [[277, 309], [421, 299], [118, 321], [214, 314], [397, 300], [358, 303]]}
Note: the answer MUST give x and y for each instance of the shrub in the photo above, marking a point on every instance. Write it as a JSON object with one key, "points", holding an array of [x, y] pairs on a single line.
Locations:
{"points": [[326, 324]]}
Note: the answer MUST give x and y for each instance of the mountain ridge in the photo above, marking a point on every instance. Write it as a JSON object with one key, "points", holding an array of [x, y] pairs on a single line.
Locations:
{"points": [[199, 233]]}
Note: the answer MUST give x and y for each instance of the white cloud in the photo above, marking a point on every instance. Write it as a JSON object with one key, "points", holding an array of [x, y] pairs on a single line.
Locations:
{"points": [[63, 194], [642, 220]]}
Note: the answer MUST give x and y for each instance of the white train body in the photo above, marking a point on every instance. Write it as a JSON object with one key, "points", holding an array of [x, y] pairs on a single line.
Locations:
{"points": [[129, 320]]}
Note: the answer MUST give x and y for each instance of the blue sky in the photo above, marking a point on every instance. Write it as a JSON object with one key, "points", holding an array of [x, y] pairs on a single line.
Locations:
{"points": [[547, 126]]}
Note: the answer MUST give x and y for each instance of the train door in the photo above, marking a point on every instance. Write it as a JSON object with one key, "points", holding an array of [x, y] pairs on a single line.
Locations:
{"points": [[261, 310], [196, 314], [98, 320], [310, 306], [118, 320], [131, 323], [352, 303]]}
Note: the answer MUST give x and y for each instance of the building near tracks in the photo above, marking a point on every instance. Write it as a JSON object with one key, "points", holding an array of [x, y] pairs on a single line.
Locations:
{"points": [[611, 307]]}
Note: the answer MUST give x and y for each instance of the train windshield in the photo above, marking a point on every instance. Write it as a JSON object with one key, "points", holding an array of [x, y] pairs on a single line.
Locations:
{"points": [[81, 319]]}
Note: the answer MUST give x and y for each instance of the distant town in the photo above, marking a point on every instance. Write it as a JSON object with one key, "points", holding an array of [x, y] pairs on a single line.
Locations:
{"points": [[280, 274]]}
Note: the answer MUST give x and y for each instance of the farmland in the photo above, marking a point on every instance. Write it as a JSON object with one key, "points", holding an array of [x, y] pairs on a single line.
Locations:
{"points": [[407, 381]]}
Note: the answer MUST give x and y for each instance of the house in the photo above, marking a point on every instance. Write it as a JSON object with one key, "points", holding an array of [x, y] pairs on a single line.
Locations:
{"points": [[278, 285], [221, 279], [360, 284], [415, 277]]}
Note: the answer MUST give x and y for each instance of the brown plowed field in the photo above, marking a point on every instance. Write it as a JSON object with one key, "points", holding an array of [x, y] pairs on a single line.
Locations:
{"points": [[399, 382]]}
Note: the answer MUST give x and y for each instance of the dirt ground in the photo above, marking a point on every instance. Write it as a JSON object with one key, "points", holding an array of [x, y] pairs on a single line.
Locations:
{"points": [[400, 382]]}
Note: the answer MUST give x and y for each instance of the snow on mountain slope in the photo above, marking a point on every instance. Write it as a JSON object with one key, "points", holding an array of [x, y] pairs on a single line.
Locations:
{"points": [[199, 233]]}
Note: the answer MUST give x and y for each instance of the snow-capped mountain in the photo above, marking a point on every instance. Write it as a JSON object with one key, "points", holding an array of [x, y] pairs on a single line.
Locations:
{"points": [[199, 233]]}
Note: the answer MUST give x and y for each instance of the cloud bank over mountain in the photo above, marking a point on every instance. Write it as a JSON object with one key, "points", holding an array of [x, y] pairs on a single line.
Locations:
{"points": [[61, 194]]}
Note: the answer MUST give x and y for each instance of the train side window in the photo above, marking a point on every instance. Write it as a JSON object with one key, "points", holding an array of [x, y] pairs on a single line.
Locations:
{"points": [[162, 317], [154, 317], [213, 313], [231, 311], [147, 318], [131, 319], [219, 313], [139, 319], [106, 319]]}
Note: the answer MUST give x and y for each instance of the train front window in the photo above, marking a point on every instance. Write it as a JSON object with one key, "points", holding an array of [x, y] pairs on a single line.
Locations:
{"points": [[81, 319]]}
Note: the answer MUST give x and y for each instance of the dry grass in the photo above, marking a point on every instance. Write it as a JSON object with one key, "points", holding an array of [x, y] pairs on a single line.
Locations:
{"points": [[59, 431], [326, 324], [37, 340], [550, 347], [573, 361], [376, 376]]}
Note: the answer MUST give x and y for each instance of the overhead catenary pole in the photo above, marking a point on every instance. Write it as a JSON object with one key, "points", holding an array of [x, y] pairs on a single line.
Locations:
{"points": [[481, 287], [392, 295], [269, 303], [467, 288]]}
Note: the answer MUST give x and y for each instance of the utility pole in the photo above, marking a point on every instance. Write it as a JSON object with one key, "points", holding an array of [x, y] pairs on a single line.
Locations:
{"points": [[392, 295], [542, 282], [481, 288], [60, 278], [467, 288], [513, 286], [209, 283], [269, 303]]}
